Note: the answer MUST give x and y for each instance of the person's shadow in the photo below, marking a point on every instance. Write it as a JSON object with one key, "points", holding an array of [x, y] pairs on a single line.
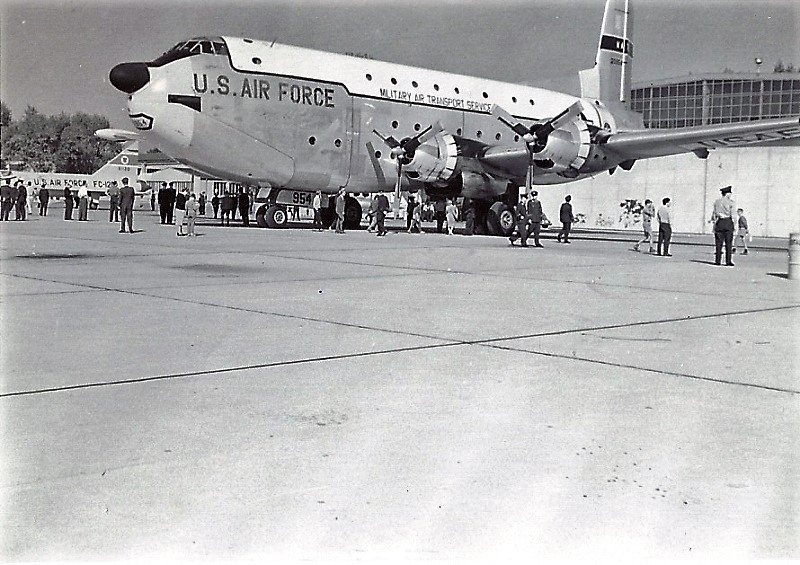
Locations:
{"points": [[703, 262]]}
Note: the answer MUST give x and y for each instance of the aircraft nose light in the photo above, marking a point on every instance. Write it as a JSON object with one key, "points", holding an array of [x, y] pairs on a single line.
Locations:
{"points": [[129, 77]]}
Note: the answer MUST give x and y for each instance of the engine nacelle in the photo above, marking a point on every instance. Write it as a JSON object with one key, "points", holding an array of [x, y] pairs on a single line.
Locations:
{"points": [[435, 161], [567, 148]]}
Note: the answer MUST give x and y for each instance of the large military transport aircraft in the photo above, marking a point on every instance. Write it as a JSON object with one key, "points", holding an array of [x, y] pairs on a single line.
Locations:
{"points": [[293, 120]]}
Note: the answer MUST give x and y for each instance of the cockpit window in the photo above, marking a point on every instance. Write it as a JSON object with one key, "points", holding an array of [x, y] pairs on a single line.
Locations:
{"points": [[194, 46]]}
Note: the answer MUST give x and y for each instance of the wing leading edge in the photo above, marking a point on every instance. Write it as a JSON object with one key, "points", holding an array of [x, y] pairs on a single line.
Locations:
{"points": [[646, 143]]}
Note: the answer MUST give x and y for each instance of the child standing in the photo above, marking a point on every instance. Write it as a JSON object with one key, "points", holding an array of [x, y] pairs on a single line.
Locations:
{"points": [[192, 208], [742, 233]]}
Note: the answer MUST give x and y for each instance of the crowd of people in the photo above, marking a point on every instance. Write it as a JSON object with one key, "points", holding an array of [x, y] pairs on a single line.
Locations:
{"points": [[183, 208]]}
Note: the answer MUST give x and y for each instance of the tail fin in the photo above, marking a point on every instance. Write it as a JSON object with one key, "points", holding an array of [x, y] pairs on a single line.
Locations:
{"points": [[128, 157], [610, 78]]}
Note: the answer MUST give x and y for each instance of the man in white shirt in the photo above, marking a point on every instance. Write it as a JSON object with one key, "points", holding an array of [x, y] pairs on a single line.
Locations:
{"points": [[664, 228], [83, 203], [722, 218]]}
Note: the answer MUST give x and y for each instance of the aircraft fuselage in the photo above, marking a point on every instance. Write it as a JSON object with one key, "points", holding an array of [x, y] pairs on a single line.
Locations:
{"points": [[285, 116]]}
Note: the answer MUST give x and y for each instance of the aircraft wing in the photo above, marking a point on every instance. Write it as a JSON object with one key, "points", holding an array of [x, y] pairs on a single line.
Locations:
{"points": [[645, 143]]}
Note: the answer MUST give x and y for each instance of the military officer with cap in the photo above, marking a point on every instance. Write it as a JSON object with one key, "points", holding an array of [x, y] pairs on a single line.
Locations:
{"points": [[535, 215], [722, 218], [521, 213], [6, 196]]}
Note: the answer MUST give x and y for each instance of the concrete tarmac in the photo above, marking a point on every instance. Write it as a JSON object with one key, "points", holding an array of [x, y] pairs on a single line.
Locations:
{"points": [[298, 395]]}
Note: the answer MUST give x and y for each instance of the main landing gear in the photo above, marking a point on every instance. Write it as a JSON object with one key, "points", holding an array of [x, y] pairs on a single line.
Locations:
{"points": [[274, 213]]}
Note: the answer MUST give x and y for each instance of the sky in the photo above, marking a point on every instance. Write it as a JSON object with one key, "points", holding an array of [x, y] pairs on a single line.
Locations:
{"points": [[56, 55]]}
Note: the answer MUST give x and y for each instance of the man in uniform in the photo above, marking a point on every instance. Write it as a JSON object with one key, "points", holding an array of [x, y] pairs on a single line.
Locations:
{"points": [[722, 218], [535, 217], [521, 213], [44, 199], [126, 198], [113, 193], [6, 201]]}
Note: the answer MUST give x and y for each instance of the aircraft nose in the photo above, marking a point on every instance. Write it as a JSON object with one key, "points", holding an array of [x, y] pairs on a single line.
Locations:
{"points": [[129, 77]]}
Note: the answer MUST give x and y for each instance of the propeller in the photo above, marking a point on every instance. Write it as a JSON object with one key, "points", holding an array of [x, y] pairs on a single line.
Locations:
{"points": [[403, 152], [536, 135]]}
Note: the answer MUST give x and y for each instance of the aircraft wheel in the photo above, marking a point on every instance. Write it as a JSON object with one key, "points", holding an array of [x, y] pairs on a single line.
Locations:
{"points": [[500, 219], [276, 217], [352, 213], [261, 220]]}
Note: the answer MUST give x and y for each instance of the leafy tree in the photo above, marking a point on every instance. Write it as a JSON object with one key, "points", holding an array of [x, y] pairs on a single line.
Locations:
{"points": [[63, 143]]}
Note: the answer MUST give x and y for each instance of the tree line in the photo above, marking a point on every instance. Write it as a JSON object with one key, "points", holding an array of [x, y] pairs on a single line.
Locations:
{"points": [[63, 143]]}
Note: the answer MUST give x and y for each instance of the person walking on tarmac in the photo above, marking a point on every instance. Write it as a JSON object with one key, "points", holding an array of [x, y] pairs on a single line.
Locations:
{"points": [[521, 213], [648, 213], [535, 217], [383, 207], [244, 206], [566, 217], [126, 199], [113, 193], [340, 211], [722, 218]]}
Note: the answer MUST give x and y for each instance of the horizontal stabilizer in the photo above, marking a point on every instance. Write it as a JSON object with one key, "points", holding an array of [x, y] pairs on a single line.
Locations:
{"points": [[112, 134]]}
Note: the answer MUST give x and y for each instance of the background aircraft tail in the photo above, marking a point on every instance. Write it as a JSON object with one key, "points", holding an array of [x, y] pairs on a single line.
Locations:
{"points": [[128, 157], [610, 78]]}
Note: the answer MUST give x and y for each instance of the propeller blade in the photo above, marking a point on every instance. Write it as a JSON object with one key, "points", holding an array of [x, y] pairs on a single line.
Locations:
{"points": [[388, 140], [509, 120], [412, 144], [558, 121], [376, 166]]}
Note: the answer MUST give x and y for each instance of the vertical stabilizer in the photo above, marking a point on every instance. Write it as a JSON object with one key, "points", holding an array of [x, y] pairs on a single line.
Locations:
{"points": [[128, 157], [610, 78]]}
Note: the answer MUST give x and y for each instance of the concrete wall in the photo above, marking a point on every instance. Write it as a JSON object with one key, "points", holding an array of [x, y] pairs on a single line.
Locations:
{"points": [[765, 180]]}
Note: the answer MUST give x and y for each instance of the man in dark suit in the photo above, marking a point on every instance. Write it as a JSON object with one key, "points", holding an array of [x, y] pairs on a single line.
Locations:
{"points": [[535, 217], [126, 198], [44, 200], [171, 195], [68, 203], [521, 213], [566, 217], [244, 207], [162, 203]]}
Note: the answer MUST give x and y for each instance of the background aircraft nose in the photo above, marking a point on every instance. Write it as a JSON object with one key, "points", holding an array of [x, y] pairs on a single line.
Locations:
{"points": [[129, 77]]}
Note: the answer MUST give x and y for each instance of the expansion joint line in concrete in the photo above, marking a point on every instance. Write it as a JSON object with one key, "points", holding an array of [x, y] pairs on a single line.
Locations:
{"points": [[492, 342]]}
